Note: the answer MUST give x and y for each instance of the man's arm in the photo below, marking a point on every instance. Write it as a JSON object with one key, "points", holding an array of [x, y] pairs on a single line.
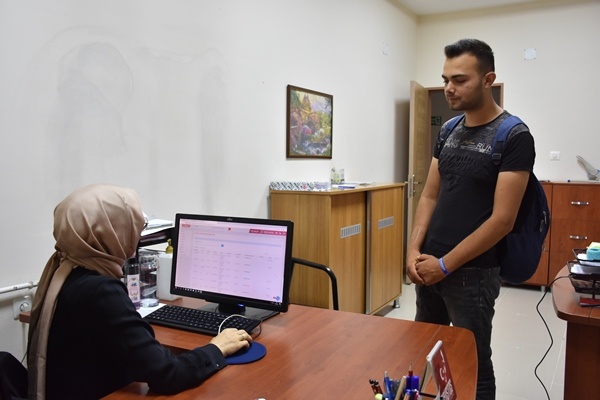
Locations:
{"points": [[510, 188], [421, 220]]}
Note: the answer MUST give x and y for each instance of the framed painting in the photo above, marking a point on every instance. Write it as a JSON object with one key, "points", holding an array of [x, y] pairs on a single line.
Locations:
{"points": [[309, 123]]}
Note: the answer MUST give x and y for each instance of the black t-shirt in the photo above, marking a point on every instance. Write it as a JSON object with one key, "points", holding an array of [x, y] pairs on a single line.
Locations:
{"points": [[99, 343], [468, 181]]}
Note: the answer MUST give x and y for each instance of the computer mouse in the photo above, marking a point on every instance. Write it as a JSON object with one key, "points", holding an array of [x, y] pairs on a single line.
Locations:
{"points": [[241, 351], [254, 352]]}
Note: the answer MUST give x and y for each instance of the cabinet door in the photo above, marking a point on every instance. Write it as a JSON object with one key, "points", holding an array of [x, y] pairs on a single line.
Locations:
{"points": [[347, 249], [385, 247], [312, 221]]}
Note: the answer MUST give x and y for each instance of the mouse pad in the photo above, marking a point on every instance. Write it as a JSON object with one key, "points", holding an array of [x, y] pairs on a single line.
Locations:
{"points": [[255, 352]]}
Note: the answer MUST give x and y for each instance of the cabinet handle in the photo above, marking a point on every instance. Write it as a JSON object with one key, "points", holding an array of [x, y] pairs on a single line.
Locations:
{"points": [[580, 203], [576, 237]]}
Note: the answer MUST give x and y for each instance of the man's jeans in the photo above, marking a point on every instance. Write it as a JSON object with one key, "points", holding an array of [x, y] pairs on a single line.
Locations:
{"points": [[466, 299]]}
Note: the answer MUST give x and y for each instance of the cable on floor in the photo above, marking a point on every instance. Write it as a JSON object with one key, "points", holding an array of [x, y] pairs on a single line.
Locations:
{"points": [[537, 308]]}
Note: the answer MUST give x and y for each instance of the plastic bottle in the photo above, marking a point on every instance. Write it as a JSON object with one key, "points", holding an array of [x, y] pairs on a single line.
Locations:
{"points": [[132, 280], [165, 262]]}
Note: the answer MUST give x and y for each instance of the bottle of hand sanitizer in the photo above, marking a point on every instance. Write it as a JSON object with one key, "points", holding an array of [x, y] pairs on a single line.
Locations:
{"points": [[165, 263]]}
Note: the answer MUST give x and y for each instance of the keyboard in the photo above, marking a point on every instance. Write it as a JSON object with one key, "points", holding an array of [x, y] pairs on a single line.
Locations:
{"points": [[200, 321]]}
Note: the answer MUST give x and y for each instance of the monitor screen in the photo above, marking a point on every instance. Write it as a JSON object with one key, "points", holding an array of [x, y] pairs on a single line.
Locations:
{"points": [[242, 264]]}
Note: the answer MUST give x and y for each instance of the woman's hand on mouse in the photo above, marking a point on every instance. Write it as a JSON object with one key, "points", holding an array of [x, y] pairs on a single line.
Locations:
{"points": [[231, 340]]}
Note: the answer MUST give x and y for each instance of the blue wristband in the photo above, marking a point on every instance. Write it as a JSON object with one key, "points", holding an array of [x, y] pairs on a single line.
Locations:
{"points": [[443, 267]]}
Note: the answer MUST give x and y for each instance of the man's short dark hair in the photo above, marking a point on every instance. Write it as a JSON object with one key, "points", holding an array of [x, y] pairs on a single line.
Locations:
{"points": [[479, 49]]}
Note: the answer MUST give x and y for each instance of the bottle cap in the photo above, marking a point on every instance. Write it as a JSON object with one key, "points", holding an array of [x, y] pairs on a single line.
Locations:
{"points": [[132, 267]]}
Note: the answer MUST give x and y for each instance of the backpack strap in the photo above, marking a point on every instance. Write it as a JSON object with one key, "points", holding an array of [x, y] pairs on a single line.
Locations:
{"points": [[502, 135], [499, 140], [447, 129]]}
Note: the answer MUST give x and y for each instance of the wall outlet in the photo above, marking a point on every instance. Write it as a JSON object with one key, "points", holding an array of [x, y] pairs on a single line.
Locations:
{"points": [[554, 155], [21, 304]]}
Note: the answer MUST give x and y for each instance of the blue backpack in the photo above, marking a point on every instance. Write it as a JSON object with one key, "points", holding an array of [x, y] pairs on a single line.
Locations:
{"points": [[520, 251]]}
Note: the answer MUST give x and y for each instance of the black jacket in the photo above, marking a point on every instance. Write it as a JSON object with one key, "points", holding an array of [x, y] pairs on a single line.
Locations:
{"points": [[98, 343]]}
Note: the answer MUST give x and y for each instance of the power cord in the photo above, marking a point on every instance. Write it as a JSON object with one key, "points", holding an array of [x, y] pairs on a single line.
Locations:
{"points": [[537, 308]]}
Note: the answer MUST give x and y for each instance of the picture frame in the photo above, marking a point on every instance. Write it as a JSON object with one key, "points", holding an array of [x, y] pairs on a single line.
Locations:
{"points": [[309, 131]]}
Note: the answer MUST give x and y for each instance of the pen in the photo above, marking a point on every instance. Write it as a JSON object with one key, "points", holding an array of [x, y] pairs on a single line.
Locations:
{"points": [[387, 383]]}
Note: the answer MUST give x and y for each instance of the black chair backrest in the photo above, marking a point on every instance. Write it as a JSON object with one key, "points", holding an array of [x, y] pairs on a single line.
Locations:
{"points": [[332, 278]]}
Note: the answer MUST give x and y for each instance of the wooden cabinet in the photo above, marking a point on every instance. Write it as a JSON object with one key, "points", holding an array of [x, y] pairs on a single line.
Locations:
{"points": [[574, 223], [358, 233]]}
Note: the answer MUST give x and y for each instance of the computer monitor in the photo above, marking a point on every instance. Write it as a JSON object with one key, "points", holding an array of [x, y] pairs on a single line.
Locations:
{"points": [[242, 264]]}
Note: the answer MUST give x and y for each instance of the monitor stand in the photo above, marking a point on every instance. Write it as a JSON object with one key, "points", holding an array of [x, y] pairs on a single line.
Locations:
{"points": [[249, 312]]}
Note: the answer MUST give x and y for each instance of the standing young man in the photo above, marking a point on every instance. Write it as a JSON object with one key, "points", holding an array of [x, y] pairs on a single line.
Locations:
{"points": [[467, 206]]}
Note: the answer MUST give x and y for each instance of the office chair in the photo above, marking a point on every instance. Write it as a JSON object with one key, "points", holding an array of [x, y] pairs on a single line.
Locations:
{"points": [[13, 378], [329, 272]]}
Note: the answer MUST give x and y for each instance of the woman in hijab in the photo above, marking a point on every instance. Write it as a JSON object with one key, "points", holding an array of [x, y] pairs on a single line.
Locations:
{"points": [[86, 338]]}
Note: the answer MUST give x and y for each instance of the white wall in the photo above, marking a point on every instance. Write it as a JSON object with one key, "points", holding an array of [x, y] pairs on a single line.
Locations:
{"points": [[557, 94], [184, 100]]}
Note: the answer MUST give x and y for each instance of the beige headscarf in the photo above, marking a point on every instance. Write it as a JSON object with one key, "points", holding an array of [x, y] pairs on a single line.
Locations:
{"points": [[96, 227]]}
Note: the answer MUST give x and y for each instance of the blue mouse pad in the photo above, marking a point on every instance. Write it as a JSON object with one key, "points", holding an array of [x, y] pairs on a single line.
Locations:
{"points": [[256, 351]]}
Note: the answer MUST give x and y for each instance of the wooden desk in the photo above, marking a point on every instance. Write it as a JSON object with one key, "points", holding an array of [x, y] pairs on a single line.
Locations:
{"points": [[582, 359], [315, 353]]}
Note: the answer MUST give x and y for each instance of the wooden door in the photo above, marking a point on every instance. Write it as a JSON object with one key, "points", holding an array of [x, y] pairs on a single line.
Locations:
{"points": [[419, 148]]}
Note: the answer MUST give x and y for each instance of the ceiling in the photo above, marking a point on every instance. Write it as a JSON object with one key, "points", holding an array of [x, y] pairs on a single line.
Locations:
{"points": [[429, 7]]}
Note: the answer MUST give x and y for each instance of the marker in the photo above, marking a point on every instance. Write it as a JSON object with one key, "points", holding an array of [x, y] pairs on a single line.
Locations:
{"points": [[409, 378], [375, 386]]}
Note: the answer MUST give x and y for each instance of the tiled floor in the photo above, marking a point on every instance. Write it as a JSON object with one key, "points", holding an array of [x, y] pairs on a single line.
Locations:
{"points": [[519, 341]]}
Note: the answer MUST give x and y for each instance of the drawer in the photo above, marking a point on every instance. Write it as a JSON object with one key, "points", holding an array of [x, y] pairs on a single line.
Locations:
{"points": [[577, 202], [567, 235], [571, 234]]}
